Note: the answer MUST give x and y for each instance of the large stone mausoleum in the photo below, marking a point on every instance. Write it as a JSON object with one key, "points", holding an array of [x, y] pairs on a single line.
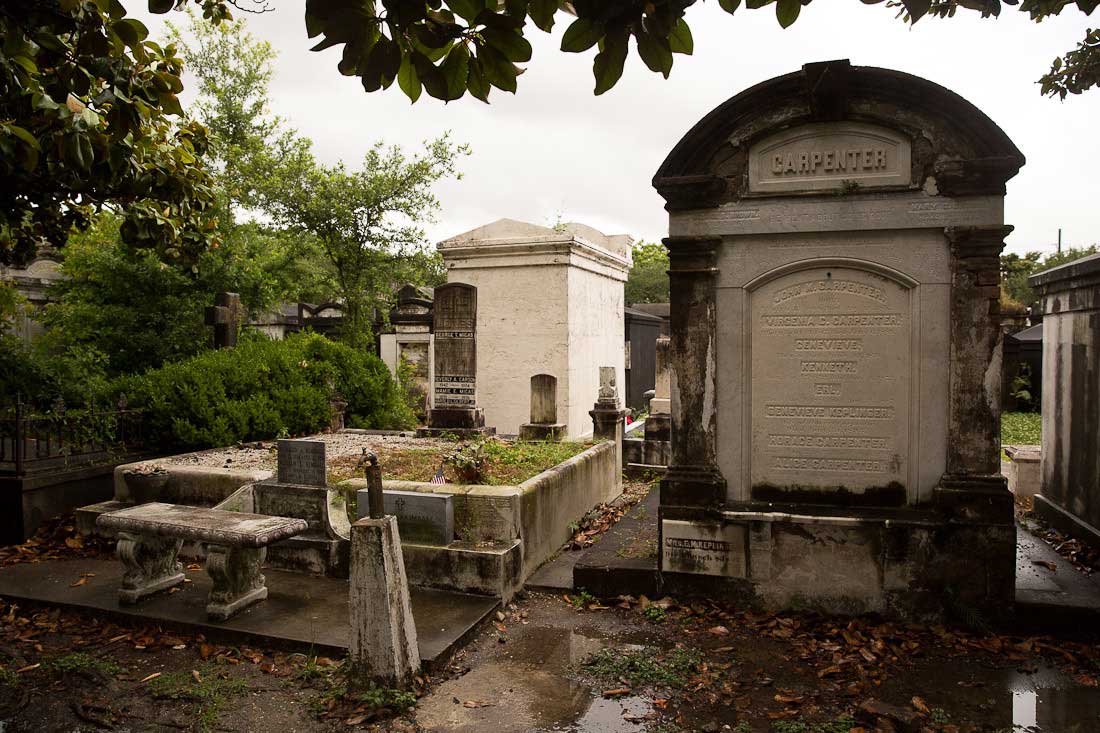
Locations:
{"points": [[834, 242]]}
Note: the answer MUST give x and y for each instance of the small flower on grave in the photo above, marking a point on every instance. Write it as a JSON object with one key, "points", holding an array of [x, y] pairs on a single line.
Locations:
{"points": [[303, 364]]}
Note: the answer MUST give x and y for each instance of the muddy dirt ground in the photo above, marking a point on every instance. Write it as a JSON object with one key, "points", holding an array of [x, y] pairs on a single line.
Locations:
{"points": [[567, 664]]}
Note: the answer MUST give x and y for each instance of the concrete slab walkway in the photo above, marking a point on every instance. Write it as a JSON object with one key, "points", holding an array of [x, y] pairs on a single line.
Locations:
{"points": [[301, 612], [1050, 592]]}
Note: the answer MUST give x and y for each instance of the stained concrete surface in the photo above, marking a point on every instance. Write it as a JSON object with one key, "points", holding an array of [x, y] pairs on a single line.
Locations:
{"points": [[1050, 592], [301, 611]]}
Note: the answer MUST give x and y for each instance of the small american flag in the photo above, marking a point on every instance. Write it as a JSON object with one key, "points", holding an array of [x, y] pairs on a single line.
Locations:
{"points": [[439, 478]]}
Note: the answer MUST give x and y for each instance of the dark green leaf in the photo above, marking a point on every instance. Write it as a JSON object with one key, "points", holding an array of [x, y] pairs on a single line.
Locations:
{"points": [[477, 83], [498, 70], [468, 9], [430, 76], [161, 6], [132, 32], [786, 11], [729, 5], [542, 13], [455, 70], [608, 64], [23, 135], [510, 43], [408, 80], [655, 55], [581, 35], [681, 41]]}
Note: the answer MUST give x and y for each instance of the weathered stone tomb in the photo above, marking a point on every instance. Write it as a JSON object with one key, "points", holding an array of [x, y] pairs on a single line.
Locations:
{"points": [[835, 351]]}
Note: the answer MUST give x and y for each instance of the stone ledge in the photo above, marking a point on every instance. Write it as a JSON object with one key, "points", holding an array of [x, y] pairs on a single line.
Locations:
{"points": [[1065, 522]]}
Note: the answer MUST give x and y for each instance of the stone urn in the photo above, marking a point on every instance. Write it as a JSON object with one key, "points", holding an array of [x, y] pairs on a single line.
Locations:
{"points": [[145, 484]]}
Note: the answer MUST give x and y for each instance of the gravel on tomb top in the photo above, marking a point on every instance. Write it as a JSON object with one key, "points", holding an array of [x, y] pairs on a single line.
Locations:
{"points": [[262, 454]]}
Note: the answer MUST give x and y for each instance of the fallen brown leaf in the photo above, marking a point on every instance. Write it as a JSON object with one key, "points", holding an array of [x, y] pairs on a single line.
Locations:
{"points": [[150, 677]]}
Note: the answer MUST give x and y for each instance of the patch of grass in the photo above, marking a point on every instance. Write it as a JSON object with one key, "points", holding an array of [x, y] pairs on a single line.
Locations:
{"points": [[208, 689], [506, 463], [646, 666], [8, 678], [1021, 428], [81, 662], [655, 614], [378, 699], [582, 600]]}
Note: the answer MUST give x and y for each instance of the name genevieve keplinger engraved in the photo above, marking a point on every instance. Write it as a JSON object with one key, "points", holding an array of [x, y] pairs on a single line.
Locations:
{"points": [[807, 163]]}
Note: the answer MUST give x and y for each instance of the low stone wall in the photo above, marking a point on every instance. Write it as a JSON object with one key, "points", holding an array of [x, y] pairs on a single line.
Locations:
{"points": [[496, 521], [549, 502]]}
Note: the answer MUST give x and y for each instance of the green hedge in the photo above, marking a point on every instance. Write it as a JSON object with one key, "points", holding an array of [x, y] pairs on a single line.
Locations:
{"points": [[261, 389]]}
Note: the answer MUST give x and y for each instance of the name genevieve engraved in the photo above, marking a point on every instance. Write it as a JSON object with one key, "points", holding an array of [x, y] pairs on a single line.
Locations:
{"points": [[837, 412], [828, 344], [793, 463], [808, 162], [828, 441], [832, 319], [831, 286]]}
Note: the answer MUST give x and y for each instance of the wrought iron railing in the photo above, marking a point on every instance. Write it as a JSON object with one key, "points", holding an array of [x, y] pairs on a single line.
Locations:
{"points": [[59, 437]]}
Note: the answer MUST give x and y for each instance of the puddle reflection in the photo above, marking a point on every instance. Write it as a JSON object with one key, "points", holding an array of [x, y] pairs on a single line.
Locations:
{"points": [[1050, 702]]}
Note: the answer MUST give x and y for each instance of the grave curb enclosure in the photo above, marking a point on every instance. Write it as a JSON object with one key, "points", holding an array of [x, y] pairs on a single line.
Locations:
{"points": [[834, 278], [504, 533]]}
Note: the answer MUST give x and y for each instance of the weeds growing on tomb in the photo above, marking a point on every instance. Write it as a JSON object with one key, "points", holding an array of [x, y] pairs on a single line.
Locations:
{"points": [[643, 667]]}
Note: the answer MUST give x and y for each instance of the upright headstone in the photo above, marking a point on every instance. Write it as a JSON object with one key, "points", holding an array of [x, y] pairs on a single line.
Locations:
{"points": [[454, 392], [225, 317], [835, 347], [608, 414], [544, 423], [302, 462], [1069, 497], [658, 424]]}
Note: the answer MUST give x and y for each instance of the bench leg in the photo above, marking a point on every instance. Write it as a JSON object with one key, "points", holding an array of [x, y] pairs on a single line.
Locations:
{"points": [[151, 565], [238, 581]]}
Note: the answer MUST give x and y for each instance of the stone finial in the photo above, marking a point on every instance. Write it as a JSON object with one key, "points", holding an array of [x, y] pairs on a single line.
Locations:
{"points": [[609, 393]]}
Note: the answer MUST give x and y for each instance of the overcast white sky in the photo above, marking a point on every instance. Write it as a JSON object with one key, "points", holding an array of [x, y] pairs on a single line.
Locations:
{"points": [[555, 150]]}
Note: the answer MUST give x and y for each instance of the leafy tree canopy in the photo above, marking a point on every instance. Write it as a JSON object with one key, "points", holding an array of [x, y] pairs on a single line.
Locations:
{"points": [[648, 278], [1015, 269], [368, 222], [450, 47], [86, 102]]}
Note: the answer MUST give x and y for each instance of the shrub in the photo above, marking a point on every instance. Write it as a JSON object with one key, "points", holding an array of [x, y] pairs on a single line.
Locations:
{"points": [[260, 389]]}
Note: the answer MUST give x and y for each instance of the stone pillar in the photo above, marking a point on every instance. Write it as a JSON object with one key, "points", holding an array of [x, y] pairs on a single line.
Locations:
{"points": [[225, 317], [544, 423], [1069, 497], [608, 414], [384, 649], [693, 478], [972, 484]]}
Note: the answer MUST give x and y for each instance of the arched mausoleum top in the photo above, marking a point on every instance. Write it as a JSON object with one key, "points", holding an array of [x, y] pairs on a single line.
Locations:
{"points": [[930, 138]]}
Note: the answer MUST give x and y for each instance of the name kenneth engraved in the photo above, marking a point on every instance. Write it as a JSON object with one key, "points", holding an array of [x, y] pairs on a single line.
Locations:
{"points": [[808, 162], [829, 367]]}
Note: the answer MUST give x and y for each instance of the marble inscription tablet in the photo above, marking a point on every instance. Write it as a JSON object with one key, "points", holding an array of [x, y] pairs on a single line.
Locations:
{"points": [[830, 382]]}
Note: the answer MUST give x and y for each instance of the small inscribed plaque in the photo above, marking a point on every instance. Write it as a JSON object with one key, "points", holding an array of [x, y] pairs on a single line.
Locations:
{"points": [[302, 462]]}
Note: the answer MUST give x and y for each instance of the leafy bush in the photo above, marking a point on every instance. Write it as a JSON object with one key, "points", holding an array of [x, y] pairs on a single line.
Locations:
{"points": [[263, 388]]}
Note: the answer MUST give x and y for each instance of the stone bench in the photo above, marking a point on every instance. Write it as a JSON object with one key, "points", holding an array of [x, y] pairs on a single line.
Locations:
{"points": [[150, 537]]}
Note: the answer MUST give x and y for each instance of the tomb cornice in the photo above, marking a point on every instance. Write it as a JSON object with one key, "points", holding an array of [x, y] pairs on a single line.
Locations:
{"points": [[957, 149], [528, 252]]}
